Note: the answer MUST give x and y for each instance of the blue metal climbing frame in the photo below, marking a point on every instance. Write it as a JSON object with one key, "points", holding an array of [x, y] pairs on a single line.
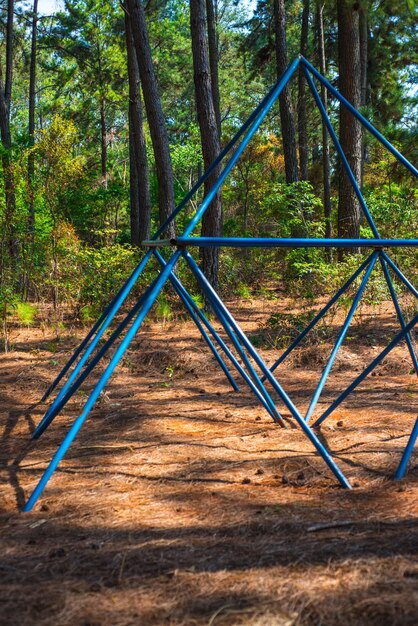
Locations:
{"points": [[240, 354]]}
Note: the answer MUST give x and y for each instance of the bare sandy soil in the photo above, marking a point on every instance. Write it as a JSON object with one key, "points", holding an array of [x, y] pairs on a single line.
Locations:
{"points": [[182, 503]]}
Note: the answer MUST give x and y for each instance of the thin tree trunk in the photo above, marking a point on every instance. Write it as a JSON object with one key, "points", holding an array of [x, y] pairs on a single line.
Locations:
{"points": [[302, 116], [212, 219], [286, 109], [103, 141], [140, 202], [9, 52], [364, 75], [325, 143], [155, 114], [350, 129], [32, 89], [5, 99], [211, 12]]}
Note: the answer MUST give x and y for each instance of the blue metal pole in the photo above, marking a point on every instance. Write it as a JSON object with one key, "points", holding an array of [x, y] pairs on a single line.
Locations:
{"points": [[161, 229], [103, 321], [360, 117], [192, 310], [399, 312], [323, 452], [206, 337], [368, 369], [215, 163], [262, 391], [341, 153], [290, 242], [234, 158], [412, 439], [162, 279], [77, 352], [398, 272], [340, 338], [225, 348], [407, 452], [106, 323], [58, 406], [320, 315]]}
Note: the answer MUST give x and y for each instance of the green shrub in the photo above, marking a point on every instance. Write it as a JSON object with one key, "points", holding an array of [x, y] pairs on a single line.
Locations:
{"points": [[25, 313]]}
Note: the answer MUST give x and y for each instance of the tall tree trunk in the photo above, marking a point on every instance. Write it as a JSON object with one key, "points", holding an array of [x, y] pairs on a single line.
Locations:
{"points": [[9, 52], [155, 114], [350, 128], [325, 143], [103, 141], [364, 75], [212, 219], [302, 117], [140, 202], [211, 12], [32, 89], [5, 99], [286, 109]]}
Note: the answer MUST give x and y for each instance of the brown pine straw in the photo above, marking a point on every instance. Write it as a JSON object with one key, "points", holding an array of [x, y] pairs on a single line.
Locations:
{"points": [[181, 503]]}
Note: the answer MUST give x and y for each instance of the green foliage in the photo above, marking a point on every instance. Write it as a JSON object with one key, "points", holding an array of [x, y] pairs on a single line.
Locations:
{"points": [[76, 258], [163, 309], [25, 313], [101, 273]]}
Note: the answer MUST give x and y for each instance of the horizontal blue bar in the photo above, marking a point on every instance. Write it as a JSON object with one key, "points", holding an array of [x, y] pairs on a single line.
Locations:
{"points": [[269, 242]]}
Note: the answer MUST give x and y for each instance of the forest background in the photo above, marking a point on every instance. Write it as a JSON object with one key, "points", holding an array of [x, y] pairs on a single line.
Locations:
{"points": [[110, 112]]}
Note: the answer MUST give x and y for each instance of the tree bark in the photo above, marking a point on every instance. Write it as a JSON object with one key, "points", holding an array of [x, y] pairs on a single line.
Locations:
{"points": [[31, 121], [350, 128], [140, 202], [363, 54], [211, 12], [286, 109], [155, 114], [325, 143], [9, 52], [364, 92], [5, 99], [103, 142], [302, 116], [212, 219]]}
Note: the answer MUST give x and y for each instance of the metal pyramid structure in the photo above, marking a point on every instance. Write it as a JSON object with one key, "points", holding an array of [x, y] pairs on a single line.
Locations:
{"points": [[237, 349]]}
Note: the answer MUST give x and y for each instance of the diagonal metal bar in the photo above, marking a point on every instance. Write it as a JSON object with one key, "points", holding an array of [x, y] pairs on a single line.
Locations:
{"points": [[407, 452], [401, 335], [208, 340], [256, 118], [199, 318], [399, 312], [323, 452], [234, 158], [320, 315], [216, 162], [400, 274], [268, 402], [341, 153], [340, 338], [360, 117], [90, 348], [115, 303], [71, 434], [58, 405], [413, 436], [102, 323], [272, 412]]}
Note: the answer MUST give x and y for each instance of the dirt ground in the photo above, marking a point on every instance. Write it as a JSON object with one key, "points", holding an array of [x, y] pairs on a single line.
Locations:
{"points": [[182, 503]]}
